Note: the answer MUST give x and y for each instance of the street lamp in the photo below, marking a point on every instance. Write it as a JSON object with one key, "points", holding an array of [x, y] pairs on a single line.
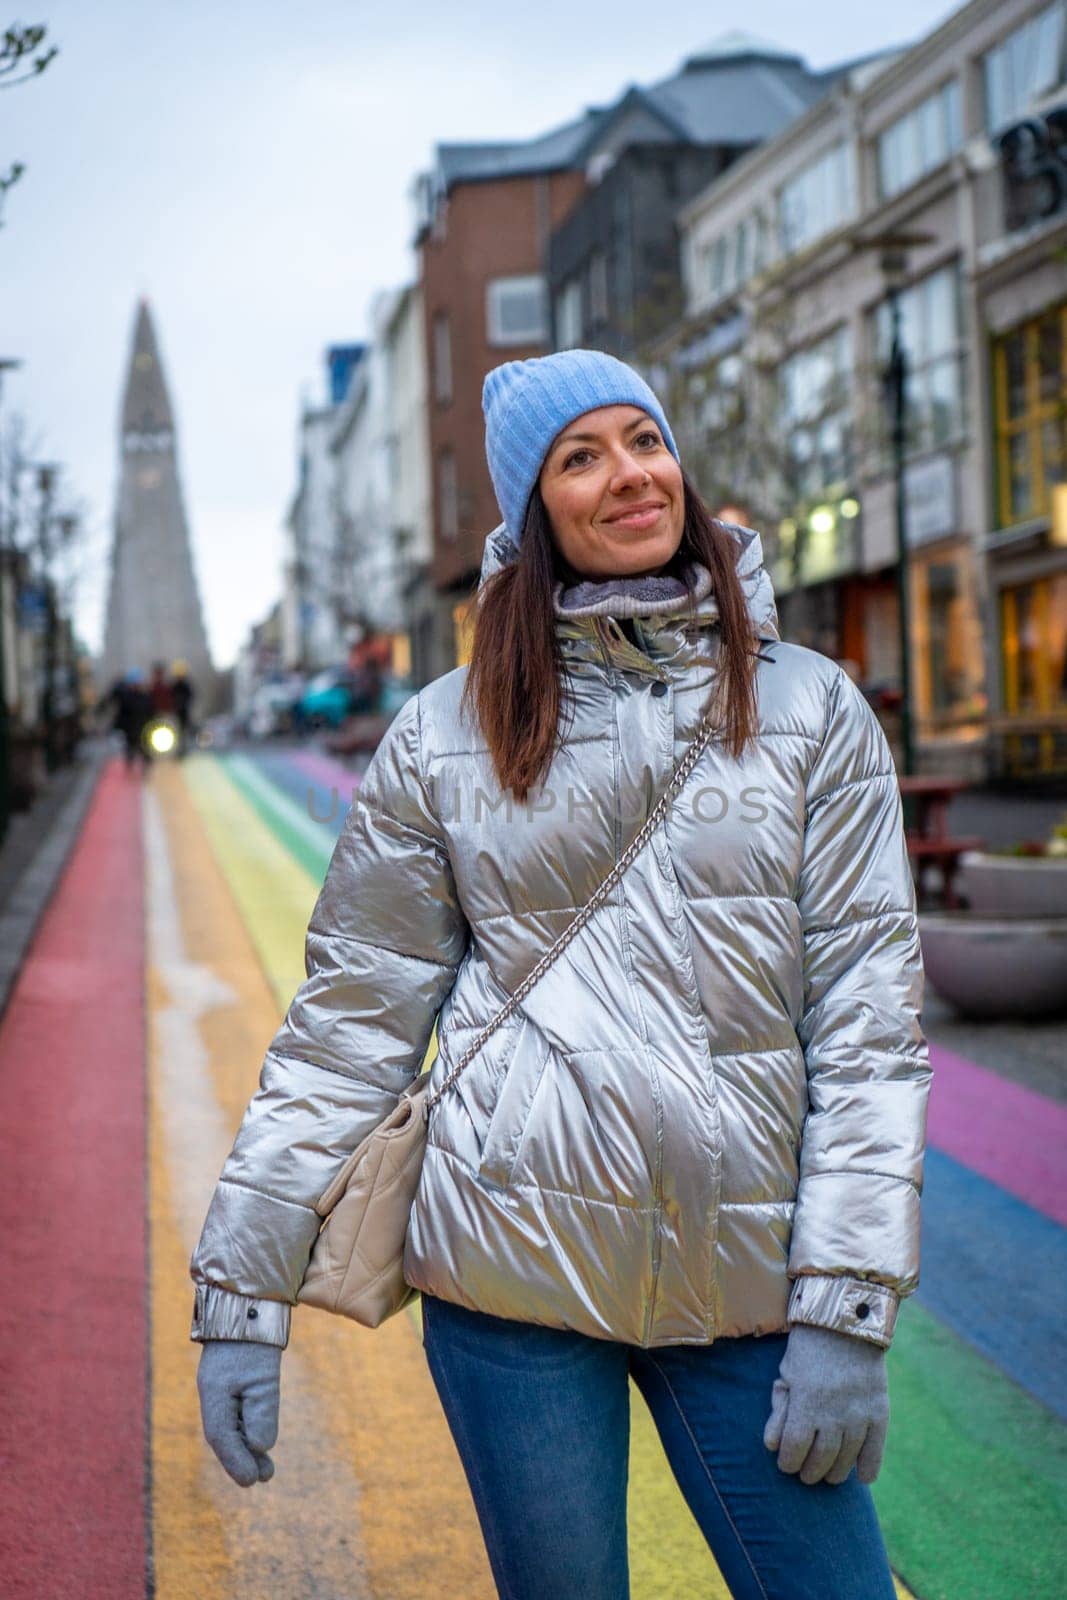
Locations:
{"points": [[893, 258]]}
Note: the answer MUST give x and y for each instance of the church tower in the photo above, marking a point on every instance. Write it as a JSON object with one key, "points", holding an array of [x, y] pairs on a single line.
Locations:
{"points": [[153, 611]]}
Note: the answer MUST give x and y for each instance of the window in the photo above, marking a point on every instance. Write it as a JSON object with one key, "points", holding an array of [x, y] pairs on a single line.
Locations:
{"points": [[930, 334], [715, 395], [1030, 398], [463, 616], [718, 267], [818, 199], [1023, 66], [569, 315], [814, 408], [919, 141], [1033, 641], [731, 259], [744, 249], [599, 308], [448, 494], [517, 310], [947, 639], [442, 358]]}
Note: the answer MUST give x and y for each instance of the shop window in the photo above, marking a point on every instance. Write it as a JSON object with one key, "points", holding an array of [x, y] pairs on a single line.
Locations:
{"points": [[948, 656], [1030, 399], [463, 631], [1033, 618]]}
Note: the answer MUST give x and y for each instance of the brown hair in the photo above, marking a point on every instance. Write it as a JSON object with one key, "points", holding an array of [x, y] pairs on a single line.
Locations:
{"points": [[516, 667]]}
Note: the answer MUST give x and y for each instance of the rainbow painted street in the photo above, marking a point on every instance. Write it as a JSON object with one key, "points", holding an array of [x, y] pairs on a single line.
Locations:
{"points": [[132, 1042]]}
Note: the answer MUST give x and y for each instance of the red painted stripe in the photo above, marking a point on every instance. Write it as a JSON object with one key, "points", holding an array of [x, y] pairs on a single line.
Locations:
{"points": [[72, 1219], [1002, 1130]]}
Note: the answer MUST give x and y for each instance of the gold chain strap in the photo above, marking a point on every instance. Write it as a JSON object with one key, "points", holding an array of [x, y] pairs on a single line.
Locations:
{"points": [[574, 927]]}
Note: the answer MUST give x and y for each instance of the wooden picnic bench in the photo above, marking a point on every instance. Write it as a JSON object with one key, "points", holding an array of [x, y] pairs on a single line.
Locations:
{"points": [[929, 841]]}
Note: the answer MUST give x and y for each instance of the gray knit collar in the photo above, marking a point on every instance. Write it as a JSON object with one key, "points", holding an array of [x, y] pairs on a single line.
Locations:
{"points": [[663, 595], [668, 603]]}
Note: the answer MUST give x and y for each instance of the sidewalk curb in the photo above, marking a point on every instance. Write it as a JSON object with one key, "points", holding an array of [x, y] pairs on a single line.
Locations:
{"points": [[20, 916]]}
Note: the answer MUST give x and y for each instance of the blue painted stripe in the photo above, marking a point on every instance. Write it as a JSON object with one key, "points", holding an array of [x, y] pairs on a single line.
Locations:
{"points": [[994, 1270], [327, 808]]}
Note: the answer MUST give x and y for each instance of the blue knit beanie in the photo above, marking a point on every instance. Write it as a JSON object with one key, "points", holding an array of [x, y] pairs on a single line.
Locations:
{"points": [[527, 403]]}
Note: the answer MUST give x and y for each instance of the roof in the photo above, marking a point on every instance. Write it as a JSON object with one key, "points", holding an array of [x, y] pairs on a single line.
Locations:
{"points": [[739, 89], [549, 152], [733, 99]]}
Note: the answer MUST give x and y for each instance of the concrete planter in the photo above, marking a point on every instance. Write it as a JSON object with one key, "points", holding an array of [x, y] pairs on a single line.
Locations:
{"points": [[1014, 886], [997, 966]]}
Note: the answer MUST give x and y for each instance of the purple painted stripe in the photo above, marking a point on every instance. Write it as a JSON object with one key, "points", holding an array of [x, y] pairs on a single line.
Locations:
{"points": [[327, 772], [1009, 1134]]}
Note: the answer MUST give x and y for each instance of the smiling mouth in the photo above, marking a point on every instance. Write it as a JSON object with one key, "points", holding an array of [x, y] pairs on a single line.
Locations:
{"points": [[636, 516]]}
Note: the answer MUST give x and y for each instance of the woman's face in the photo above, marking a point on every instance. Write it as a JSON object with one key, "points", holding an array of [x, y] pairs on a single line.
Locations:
{"points": [[613, 493]]}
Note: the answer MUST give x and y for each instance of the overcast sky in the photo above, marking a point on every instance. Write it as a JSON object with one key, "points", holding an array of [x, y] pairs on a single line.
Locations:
{"points": [[247, 167]]}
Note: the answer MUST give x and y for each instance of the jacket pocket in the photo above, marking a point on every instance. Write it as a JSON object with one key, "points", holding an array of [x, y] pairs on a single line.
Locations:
{"points": [[514, 1102]]}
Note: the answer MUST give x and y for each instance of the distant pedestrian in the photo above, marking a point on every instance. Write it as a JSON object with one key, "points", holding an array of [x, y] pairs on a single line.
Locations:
{"points": [[182, 695], [159, 687], [368, 659], [132, 713], [692, 1155]]}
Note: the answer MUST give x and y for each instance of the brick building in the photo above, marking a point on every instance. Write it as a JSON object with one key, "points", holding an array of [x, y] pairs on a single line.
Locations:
{"points": [[485, 216]]}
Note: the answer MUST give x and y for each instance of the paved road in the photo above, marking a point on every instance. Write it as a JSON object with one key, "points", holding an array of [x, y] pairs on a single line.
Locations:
{"points": [[130, 1045]]}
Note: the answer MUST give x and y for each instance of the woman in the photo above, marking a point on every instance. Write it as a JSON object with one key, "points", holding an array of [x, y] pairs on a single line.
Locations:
{"points": [[694, 1155]]}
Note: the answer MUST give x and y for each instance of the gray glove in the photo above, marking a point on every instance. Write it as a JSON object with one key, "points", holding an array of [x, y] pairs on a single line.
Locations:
{"points": [[829, 1406], [238, 1381]]}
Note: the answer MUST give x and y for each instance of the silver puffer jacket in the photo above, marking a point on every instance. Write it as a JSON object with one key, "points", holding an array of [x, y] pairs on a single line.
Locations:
{"points": [[707, 1119]]}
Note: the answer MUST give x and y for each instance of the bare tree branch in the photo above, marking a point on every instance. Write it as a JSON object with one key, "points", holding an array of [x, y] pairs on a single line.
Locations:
{"points": [[17, 45], [17, 50]]}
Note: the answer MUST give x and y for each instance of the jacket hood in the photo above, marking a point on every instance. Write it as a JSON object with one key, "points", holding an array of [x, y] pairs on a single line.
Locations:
{"points": [[653, 597]]}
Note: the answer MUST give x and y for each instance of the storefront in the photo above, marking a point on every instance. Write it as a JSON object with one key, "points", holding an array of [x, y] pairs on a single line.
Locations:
{"points": [[1033, 633], [948, 667], [1030, 546]]}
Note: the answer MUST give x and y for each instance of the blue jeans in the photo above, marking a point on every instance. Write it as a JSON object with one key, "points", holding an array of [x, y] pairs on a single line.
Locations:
{"points": [[541, 1419]]}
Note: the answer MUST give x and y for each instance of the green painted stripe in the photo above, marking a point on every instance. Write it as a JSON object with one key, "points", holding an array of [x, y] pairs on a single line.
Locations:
{"points": [[272, 890], [307, 841], [973, 1493]]}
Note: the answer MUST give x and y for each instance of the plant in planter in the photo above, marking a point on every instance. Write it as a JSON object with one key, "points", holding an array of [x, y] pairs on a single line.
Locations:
{"points": [[1028, 879], [1006, 954]]}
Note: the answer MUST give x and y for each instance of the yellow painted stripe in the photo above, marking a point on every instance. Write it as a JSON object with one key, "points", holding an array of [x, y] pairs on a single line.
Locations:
{"points": [[211, 1537], [188, 1528], [369, 1497]]}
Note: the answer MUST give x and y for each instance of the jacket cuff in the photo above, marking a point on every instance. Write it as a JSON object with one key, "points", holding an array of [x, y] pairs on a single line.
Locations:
{"points": [[221, 1314], [847, 1305]]}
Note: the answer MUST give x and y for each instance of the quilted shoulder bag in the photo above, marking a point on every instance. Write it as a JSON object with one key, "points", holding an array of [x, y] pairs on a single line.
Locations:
{"points": [[357, 1261]]}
